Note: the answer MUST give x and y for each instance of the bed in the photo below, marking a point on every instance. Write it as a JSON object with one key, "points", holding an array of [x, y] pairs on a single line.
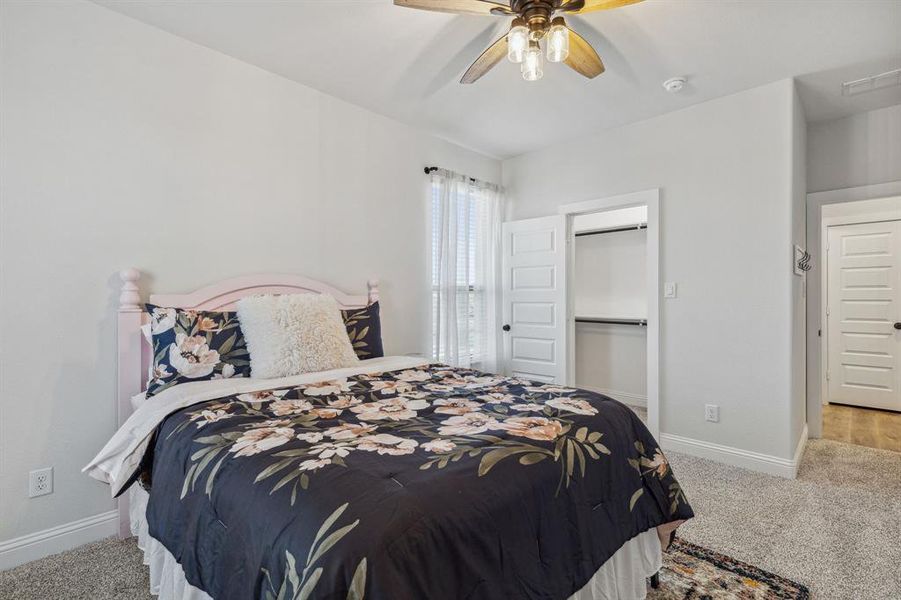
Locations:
{"points": [[391, 479]]}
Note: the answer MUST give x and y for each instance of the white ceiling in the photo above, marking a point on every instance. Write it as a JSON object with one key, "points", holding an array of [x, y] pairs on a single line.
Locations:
{"points": [[405, 63], [821, 91]]}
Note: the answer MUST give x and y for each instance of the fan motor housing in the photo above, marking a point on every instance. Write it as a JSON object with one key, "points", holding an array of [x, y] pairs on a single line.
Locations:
{"points": [[537, 15]]}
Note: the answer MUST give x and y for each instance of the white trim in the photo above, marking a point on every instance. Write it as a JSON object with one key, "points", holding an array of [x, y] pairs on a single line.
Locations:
{"points": [[39, 544], [640, 198], [865, 211], [625, 397], [864, 192], [651, 199], [816, 356], [755, 461], [799, 449]]}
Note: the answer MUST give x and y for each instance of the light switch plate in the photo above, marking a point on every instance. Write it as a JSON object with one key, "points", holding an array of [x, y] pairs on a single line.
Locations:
{"points": [[669, 289]]}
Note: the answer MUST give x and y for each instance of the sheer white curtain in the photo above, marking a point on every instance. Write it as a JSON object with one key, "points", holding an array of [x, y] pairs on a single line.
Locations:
{"points": [[466, 240]]}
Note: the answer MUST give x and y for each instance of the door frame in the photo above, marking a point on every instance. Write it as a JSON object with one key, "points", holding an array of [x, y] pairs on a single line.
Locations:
{"points": [[876, 210], [651, 199], [816, 374]]}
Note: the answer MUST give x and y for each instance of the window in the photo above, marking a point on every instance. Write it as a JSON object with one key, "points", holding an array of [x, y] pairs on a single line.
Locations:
{"points": [[468, 295], [465, 233]]}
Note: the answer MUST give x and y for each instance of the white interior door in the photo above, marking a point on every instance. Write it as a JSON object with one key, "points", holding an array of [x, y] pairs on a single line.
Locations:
{"points": [[863, 312], [534, 298]]}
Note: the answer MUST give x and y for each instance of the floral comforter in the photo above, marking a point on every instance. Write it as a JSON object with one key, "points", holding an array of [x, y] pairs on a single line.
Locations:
{"points": [[428, 482]]}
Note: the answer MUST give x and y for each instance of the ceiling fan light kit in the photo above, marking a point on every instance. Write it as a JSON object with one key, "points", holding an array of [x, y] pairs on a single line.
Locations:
{"points": [[534, 22], [524, 46]]}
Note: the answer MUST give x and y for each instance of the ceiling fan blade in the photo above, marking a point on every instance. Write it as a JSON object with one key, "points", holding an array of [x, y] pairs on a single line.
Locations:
{"points": [[578, 7], [470, 7], [582, 57], [490, 57]]}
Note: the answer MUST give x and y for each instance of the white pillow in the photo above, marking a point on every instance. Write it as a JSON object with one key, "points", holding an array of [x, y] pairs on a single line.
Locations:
{"points": [[295, 333]]}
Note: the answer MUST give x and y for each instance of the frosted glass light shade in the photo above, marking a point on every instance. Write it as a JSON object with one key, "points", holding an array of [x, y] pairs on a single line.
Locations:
{"points": [[517, 43], [558, 42], [533, 63]]}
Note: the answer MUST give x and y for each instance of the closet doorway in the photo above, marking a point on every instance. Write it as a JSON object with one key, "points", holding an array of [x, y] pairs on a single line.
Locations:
{"points": [[612, 296], [546, 286], [610, 309]]}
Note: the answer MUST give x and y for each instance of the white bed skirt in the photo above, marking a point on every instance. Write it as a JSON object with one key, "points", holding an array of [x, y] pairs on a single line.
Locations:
{"points": [[167, 580], [623, 577]]}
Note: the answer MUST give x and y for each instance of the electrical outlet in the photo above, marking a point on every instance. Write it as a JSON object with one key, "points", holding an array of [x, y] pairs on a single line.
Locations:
{"points": [[712, 413], [669, 289], [40, 482]]}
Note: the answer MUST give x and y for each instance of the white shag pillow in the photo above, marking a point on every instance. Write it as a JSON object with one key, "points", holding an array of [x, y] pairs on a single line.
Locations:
{"points": [[293, 334]]}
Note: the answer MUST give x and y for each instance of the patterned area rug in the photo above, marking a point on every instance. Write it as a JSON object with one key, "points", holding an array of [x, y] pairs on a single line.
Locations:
{"points": [[693, 572]]}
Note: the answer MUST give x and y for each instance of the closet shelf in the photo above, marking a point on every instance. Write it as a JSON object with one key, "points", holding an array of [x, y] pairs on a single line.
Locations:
{"points": [[641, 322]]}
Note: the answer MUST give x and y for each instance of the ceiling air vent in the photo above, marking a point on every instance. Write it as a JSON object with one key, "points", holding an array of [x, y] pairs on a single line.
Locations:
{"points": [[874, 82]]}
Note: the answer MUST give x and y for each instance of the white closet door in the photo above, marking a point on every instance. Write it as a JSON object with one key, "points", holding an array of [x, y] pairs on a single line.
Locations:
{"points": [[534, 298], [863, 310]]}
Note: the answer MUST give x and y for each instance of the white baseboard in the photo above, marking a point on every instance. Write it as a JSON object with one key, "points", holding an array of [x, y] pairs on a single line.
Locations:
{"points": [[624, 397], [57, 539], [755, 461], [799, 450]]}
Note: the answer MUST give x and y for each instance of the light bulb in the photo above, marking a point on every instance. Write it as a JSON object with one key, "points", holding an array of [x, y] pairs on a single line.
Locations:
{"points": [[517, 41], [558, 41], [533, 63]]}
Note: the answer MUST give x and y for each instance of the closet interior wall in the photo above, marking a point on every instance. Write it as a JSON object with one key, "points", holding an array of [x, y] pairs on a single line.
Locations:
{"points": [[610, 283]]}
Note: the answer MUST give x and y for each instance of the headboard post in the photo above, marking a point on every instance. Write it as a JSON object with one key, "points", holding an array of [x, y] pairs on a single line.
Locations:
{"points": [[129, 364], [373, 285]]}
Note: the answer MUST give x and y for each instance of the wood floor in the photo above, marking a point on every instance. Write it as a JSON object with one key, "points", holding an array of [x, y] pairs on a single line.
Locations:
{"points": [[862, 426]]}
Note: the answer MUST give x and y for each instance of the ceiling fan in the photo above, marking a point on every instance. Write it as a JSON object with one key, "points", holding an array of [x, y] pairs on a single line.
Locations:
{"points": [[534, 22]]}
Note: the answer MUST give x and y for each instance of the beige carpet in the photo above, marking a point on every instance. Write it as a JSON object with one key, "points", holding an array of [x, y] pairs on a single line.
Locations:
{"points": [[837, 529]]}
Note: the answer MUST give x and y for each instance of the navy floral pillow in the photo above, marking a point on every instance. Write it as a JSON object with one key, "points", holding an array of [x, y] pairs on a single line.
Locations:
{"points": [[192, 345], [364, 328]]}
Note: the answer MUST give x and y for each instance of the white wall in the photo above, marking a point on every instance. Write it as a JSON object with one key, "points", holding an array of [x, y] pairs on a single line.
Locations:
{"points": [[613, 360], [609, 275], [126, 146], [725, 172], [863, 149], [798, 408]]}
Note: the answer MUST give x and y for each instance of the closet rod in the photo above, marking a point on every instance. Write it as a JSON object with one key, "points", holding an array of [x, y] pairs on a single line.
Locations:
{"points": [[639, 322], [638, 227]]}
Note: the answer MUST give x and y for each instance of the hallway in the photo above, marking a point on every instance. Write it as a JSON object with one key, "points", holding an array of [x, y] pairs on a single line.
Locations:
{"points": [[862, 426]]}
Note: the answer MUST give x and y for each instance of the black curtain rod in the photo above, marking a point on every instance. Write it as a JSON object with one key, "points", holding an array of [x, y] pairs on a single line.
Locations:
{"points": [[429, 170], [638, 227]]}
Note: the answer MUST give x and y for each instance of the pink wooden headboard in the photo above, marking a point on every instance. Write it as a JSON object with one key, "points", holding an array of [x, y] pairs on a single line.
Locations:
{"points": [[135, 353]]}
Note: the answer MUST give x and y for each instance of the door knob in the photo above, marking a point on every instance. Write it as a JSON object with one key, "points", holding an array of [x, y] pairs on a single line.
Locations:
{"points": [[507, 327], [897, 325]]}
